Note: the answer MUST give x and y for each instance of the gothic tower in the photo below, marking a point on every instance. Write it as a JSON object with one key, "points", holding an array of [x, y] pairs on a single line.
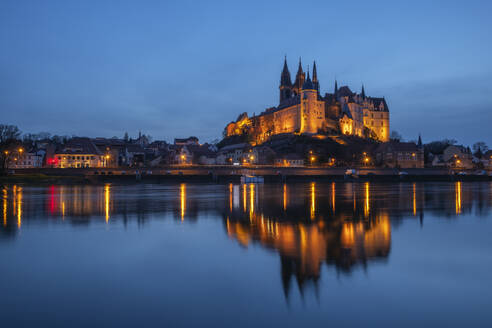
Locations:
{"points": [[285, 83]]}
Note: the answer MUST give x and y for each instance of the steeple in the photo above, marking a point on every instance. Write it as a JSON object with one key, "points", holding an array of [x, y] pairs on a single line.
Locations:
{"points": [[419, 143], [315, 74], [285, 83], [363, 93], [285, 76], [300, 77], [299, 70], [335, 92], [315, 77]]}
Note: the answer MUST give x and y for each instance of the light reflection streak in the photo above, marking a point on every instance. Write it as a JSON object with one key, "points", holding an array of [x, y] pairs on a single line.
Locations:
{"points": [[285, 197], [244, 197], [182, 194], [106, 202], [251, 200], [4, 207], [313, 200], [14, 200], [414, 200], [458, 197], [366, 204], [230, 197], [19, 208]]}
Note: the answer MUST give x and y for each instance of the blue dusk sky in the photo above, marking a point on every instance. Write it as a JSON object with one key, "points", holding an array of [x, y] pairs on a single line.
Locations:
{"points": [[180, 68]]}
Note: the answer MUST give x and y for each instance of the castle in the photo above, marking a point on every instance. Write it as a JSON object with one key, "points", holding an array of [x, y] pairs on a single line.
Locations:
{"points": [[302, 109]]}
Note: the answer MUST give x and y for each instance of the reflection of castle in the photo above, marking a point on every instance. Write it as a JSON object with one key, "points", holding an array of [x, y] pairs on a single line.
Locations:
{"points": [[306, 241], [303, 109]]}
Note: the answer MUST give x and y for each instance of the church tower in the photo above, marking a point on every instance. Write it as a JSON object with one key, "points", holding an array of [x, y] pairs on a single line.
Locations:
{"points": [[285, 83]]}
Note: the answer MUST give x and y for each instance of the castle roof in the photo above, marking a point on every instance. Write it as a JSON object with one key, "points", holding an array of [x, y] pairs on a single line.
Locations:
{"points": [[79, 145], [377, 102], [344, 92]]}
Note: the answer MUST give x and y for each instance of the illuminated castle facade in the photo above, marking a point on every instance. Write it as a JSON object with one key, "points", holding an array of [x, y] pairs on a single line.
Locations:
{"points": [[302, 109]]}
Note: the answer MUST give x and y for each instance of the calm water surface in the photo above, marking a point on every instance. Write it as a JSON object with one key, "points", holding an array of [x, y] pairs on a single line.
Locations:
{"points": [[290, 255]]}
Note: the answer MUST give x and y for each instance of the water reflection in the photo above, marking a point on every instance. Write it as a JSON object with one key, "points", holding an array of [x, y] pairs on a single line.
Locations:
{"points": [[341, 225]]}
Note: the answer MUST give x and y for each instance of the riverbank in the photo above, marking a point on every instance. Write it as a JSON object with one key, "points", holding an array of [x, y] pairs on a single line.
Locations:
{"points": [[148, 177]]}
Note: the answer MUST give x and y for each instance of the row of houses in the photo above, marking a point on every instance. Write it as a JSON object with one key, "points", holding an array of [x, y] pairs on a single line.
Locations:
{"points": [[81, 152]]}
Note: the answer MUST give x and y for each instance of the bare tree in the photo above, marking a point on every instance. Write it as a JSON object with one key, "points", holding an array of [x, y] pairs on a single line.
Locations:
{"points": [[9, 133], [479, 148]]}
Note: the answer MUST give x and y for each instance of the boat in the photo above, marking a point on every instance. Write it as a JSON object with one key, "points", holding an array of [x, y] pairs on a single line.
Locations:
{"points": [[252, 179]]}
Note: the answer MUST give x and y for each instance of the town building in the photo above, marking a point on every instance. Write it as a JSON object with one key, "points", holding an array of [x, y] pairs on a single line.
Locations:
{"points": [[487, 157], [79, 153], [27, 160], [400, 155], [291, 160], [303, 109], [458, 157]]}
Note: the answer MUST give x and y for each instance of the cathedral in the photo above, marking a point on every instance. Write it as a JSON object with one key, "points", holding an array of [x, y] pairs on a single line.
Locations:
{"points": [[303, 109]]}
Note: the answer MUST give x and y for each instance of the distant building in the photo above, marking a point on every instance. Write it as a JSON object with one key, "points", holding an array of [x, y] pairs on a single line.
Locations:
{"points": [[232, 153], [29, 159], [79, 153], [487, 157], [458, 157], [292, 160], [400, 155], [186, 141]]}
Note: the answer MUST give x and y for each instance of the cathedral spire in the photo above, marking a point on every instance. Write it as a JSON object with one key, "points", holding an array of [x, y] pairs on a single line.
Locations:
{"points": [[363, 93], [299, 70], [336, 88], [315, 77], [419, 144], [285, 76], [300, 77], [315, 74]]}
